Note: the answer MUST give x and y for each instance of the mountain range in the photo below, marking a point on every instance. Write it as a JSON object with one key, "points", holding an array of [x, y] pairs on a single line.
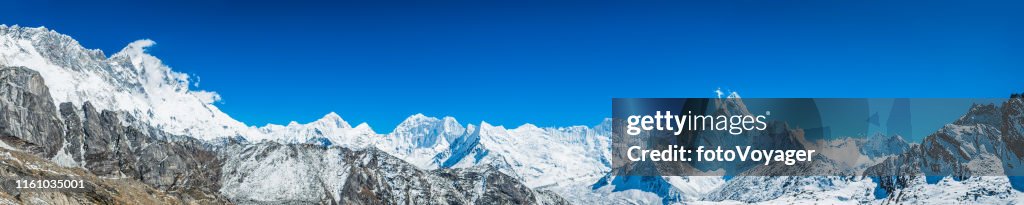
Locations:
{"points": [[140, 134]]}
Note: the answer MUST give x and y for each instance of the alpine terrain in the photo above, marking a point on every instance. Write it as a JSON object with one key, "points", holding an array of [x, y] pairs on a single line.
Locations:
{"points": [[137, 132]]}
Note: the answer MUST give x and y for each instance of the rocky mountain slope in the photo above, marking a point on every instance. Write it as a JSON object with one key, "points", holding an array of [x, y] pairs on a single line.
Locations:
{"points": [[302, 173], [983, 145], [16, 164], [100, 143]]}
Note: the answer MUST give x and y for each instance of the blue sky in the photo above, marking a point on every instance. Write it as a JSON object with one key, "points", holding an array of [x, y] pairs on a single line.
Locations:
{"points": [[551, 63]]}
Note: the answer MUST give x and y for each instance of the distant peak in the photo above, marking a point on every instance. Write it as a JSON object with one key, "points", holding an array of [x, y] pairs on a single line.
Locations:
{"points": [[420, 121], [733, 95], [606, 123], [19, 27], [418, 117], [332, 119], [332, 115], [364, 127], [528, 126], [488, 126], [451, 124]]}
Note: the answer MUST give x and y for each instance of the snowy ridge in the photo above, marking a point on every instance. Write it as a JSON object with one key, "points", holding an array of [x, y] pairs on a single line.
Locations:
{"points": [[131, 81], [140, 85], [567, 152], [433, 143], [419, 138], [329, 130]]}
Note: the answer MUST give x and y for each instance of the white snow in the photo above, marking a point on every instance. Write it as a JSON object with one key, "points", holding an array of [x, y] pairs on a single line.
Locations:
{"points": [[131, 81]]}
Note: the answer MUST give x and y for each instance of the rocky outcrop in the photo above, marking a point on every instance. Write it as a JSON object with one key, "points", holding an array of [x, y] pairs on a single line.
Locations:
{"points": [[176, 164], [97, 190], [28, 113], [100, 142], [488, 185]]}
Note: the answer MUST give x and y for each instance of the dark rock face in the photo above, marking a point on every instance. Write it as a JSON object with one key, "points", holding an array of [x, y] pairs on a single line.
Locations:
{"points": [[28, 111], [74, 133], [499, 187], [172, 163], [179, 165], [98, 141], [1012, 121]]}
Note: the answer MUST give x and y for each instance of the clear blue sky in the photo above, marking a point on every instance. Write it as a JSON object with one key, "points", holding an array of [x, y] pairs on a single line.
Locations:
{"points": [[551, 63]]}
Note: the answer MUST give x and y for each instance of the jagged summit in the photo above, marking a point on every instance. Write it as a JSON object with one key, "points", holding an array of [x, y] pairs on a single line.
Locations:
{"points": [[988, 114], [130, 81], [421, 123]]}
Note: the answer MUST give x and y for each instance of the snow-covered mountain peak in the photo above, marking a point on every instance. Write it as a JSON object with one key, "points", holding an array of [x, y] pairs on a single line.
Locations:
{"points": [[418, 121], [332, 120], [50, 38], [418, 117], [488, 126], [733, 95], [138, 84], [136, 48], [528, 126], [471, 128], [604, 126], [131, 81], [486, 129], [364, 127], [451, 124], [331, 127], [989, 114], [731, 105], [421, 131], [134, 64]]}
